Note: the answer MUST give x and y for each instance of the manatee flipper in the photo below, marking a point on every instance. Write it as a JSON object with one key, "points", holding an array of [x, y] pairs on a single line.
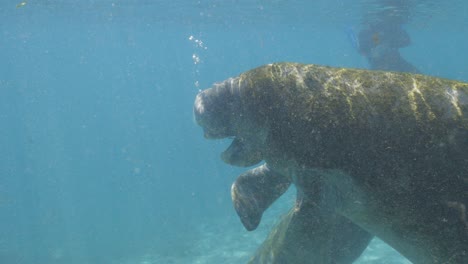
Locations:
{"points": [[309, 234], [254, 191]]}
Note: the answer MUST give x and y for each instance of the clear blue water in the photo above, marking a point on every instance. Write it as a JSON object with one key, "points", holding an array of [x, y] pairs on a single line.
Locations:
{"points": [[100, 159]]}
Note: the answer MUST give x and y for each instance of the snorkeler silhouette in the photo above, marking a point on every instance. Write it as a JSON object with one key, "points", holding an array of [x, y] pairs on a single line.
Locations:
{"points": [[382, 35]]}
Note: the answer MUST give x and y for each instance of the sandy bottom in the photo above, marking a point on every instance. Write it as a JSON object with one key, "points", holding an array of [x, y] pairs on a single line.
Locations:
{"points": [[225, 241], [230, 245]]}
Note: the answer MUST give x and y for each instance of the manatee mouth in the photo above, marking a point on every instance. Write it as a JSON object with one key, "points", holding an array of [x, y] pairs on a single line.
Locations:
{"points": [[215, 134], [214, 129], [218, 115], [242, 153]]}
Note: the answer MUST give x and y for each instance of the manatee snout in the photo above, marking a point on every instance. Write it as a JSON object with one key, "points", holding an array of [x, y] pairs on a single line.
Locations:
{"points": [[210, 114], [218, 111]]}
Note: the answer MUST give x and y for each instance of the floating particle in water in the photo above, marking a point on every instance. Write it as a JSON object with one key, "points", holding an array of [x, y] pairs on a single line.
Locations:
{"points": [[195, 58], [199, 49], [376, 38], [21, 4], [198, 43]]}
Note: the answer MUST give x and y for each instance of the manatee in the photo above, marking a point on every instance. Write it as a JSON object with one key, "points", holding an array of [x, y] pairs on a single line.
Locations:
{"points": [[387, 151]]}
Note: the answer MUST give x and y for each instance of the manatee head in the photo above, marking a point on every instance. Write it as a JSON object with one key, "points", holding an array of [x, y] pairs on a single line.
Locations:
{"points": [[221, 112]]}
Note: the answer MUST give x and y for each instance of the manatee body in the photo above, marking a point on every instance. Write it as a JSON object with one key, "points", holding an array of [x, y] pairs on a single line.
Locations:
{"points": [[386, 151]]}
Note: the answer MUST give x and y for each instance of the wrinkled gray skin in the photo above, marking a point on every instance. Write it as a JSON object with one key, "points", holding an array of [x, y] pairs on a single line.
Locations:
{"points": [[382, 152]]}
